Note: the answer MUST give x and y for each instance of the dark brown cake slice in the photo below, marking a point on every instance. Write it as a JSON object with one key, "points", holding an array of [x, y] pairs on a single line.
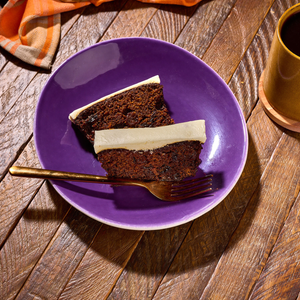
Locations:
{"points": [[167, 153], [169, 163], [142, 105]]}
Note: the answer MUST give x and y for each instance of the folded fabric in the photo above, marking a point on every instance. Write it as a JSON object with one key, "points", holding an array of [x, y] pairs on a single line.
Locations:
{"points": [[30, 29]]}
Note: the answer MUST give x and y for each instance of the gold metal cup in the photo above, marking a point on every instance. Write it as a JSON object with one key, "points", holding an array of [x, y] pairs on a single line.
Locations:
{"points": [[279, 86]]}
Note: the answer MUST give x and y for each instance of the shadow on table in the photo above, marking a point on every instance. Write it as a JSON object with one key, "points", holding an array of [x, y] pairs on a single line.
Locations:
{"points": [[202, 241], [196, 245], [194, 249]]}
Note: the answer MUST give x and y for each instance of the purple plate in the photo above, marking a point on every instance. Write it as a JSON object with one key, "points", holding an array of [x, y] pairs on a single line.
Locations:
{"points": [[192, 91]]}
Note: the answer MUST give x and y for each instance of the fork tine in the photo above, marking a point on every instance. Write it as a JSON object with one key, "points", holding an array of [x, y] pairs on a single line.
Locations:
{"points": [[183, 185], [190, 190], [191, 193]]}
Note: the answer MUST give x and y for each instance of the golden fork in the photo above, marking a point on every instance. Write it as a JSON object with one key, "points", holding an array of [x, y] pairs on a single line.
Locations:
{"points": [[164, 190]]}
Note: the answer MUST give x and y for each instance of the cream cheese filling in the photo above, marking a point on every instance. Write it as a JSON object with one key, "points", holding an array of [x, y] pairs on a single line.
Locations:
{"points": [[149, 138], [73, 115]]}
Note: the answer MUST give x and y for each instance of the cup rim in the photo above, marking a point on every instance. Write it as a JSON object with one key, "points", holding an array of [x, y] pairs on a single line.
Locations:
{"points": [[289, 12]]}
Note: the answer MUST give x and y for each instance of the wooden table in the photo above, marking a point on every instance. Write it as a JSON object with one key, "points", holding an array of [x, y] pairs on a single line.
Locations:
{"points": [[248, 247]]}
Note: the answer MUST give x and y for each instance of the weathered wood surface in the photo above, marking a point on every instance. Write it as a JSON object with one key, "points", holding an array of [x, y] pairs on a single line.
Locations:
{"points": [[245, 248]]}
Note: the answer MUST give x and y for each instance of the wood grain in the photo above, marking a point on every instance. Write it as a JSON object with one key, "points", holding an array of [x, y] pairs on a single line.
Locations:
{"points": [[202, 28], [280, 278], [244, 83], [95, 286], [103, 263], [71, 241], [69, 18], [15, 201], [29, 239], [17, 127], [177, 292], [3, 59], [149, 263], [131, 21], [235, 36], [99, 287], [91, 25], [168, 22], [9, 91], [249, 247]]}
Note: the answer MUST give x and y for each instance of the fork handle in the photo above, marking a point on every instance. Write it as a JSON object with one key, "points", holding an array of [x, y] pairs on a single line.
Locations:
{"points": [[70, 176]]}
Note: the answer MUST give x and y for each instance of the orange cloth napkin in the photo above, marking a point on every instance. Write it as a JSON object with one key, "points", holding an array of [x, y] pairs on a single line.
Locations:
{"points": [[30, 29]]}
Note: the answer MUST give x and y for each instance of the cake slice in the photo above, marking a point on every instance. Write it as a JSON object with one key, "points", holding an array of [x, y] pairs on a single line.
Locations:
{"points": [[167, 153], [139, 105]]}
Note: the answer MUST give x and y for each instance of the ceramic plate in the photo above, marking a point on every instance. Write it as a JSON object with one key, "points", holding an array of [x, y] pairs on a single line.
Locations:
{"points": [[192, 90]]}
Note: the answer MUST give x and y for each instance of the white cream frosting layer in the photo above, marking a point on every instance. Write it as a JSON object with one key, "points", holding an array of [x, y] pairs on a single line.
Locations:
{"points": [[149, 138], [75, 113]]}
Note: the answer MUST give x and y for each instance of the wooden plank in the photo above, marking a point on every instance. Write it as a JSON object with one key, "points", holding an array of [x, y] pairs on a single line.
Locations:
{"points": [[168, 22], [244, 83], [16, 129], [14, 79], [131, 21], [102, 264], [229, 46], [152, 258], [93, 24], [68, 19], [61, 257], [280, 278], [17, 126], [249, 247], [15, 200], [202, 28], [31, 236]]}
